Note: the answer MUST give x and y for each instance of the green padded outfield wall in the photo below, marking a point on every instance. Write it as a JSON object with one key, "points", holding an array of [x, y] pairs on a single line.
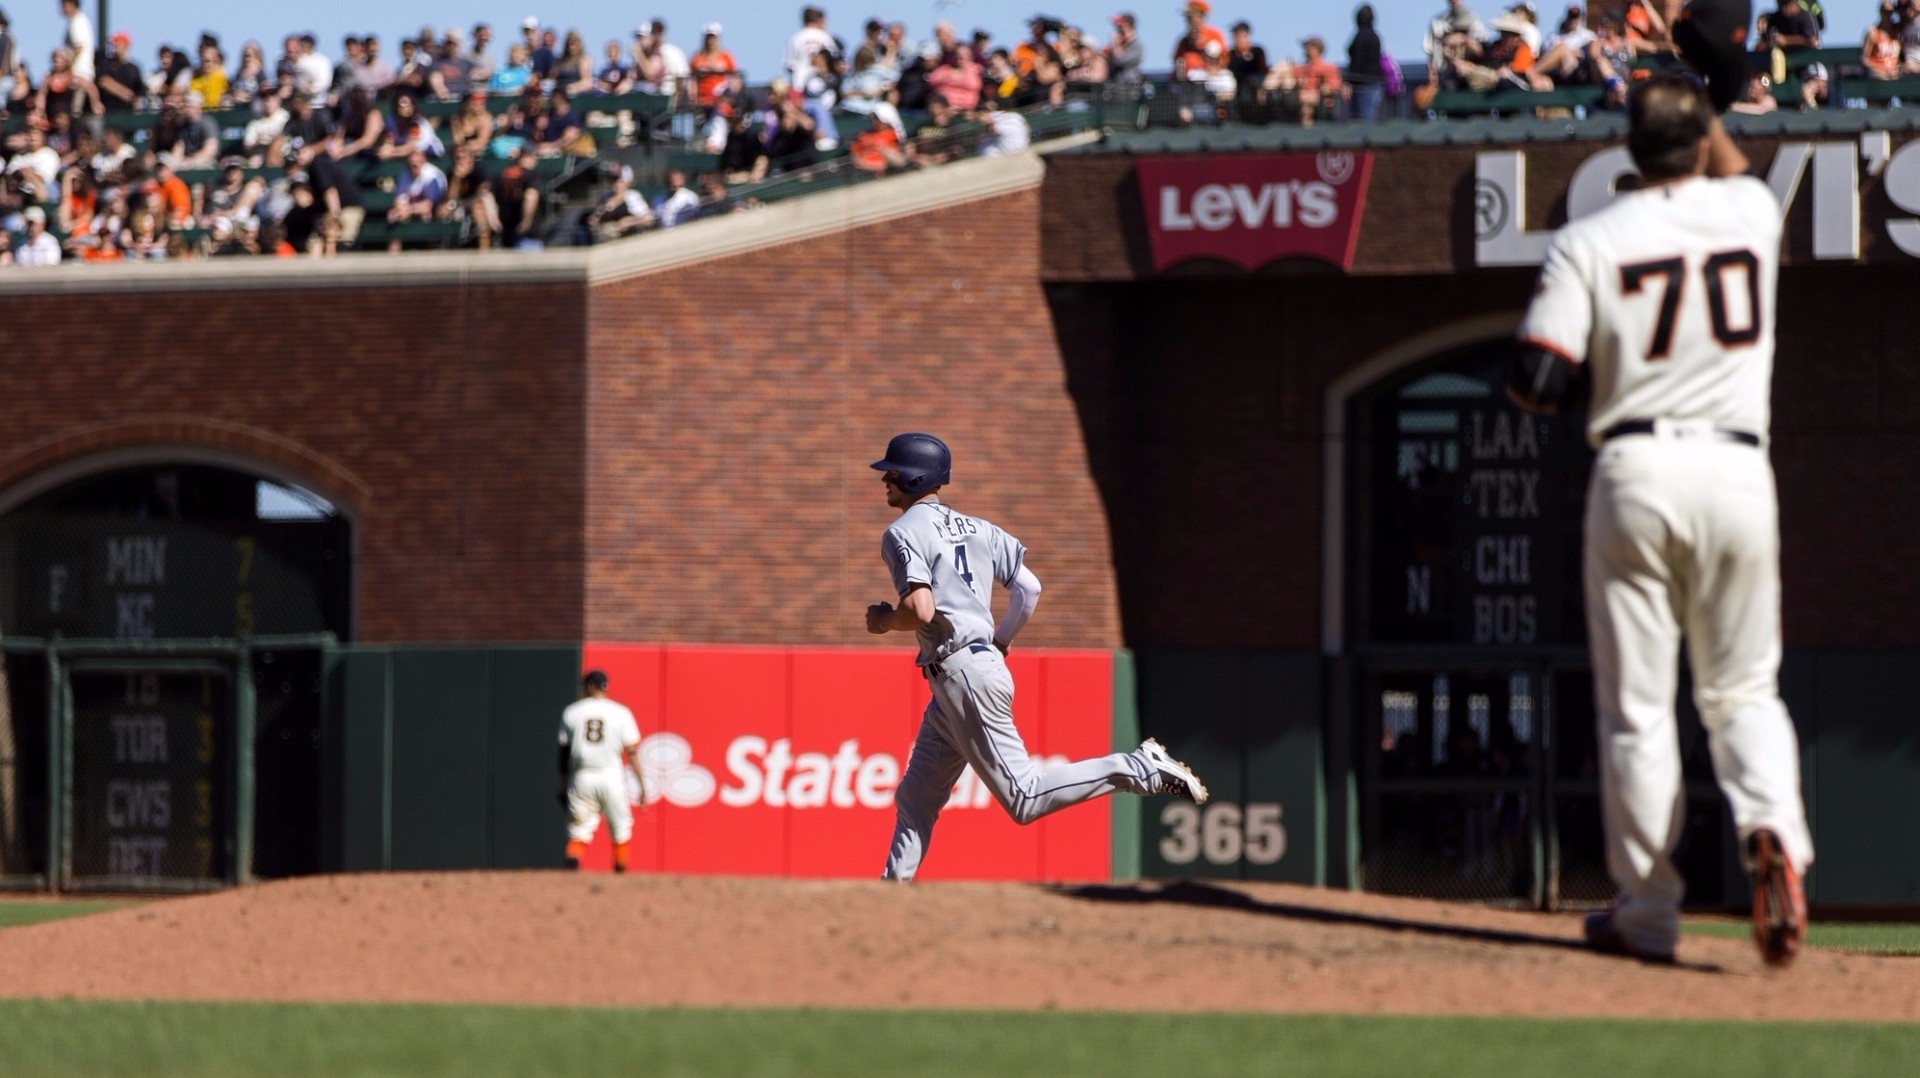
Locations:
{"points": [[446, 756], [1250, 724]]}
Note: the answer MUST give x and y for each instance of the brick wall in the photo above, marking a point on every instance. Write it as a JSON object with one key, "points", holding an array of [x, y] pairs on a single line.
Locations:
{"points": [[446, 419], [736, 404]]}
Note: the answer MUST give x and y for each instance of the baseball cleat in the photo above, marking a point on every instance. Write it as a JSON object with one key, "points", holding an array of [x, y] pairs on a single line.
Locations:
{"points": [[1779, 903], [1175, 777], [1604, 936]]}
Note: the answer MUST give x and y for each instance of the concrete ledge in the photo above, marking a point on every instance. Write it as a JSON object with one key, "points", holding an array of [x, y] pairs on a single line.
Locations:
{"points": [[788, 221]]}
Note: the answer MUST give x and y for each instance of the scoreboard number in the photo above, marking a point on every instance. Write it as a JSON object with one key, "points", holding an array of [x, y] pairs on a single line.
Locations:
{"points": [[1223, 833]]}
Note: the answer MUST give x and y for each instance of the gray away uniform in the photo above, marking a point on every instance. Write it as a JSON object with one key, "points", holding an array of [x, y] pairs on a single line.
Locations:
{"points": [[970, 718]]}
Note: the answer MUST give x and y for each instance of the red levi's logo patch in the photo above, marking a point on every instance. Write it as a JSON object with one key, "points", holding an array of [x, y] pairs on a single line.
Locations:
{"points": [[1254, 209]]}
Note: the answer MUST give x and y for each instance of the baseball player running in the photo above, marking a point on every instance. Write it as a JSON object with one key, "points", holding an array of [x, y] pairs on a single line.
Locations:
{"points": [[1661, 308], [944, 565], [599, 741]]}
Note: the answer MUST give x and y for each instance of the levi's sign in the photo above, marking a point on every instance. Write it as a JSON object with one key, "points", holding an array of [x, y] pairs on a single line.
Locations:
{"points": [[1251, 210]]}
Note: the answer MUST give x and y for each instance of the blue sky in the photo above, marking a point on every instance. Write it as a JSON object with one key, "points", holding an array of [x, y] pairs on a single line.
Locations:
{"points": [[756, 30]]}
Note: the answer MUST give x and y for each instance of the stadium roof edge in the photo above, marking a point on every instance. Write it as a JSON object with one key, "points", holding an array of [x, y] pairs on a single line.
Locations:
{"points": [[1476, 131], [788, 221]]}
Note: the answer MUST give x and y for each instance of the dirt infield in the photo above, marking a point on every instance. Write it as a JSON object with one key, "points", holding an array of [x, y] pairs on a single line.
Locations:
{"points": [[550, 937]]}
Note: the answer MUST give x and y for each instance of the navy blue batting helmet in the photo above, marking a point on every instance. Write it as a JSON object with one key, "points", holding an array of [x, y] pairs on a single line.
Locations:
{"points": [[922, 460]]}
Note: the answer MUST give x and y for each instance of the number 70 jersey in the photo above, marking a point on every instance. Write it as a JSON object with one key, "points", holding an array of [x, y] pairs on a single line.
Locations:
{"points": [[1669, 294]]}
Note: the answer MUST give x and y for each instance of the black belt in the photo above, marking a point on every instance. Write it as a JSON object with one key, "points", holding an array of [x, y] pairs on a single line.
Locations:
{"points": [[934, 670], [1648, 426]]}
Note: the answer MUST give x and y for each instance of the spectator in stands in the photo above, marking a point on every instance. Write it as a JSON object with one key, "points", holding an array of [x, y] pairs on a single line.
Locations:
{"points": [[1610, 54], [1880, 49], [38, 248], [79, 38], [288, 64], [812, 37], [1910, 37], [171, 71], [263, 139], [406, 131], [1220, 85], [573, 68], [788, 130], [872, 83], [1569, 56], [1531, 18], [650, 74], [998, 80], [679, 73], [547, 53], [1758, 98], [1507, 62], [376, 74], [452, 74], [1124, 52], [879, 149], [1647, 29], [1092, 71], [198, 142], [1613, 95], [250, 75], [1455, 39], [480, 56], [560, 129], [209, 78], [818, 95], [109, 164], [1245, 60], [616, 74], [677, 204], [232, 197], [1321, 89], [304, 222], [622, 212], [1007, 132], [1366, 75], [714, 199], [338, 195], [1037, 62], [1789, 26], [911, 91], [958, 79], [516, 198], [118, 78], [362, 126], [515, 74], [79, 199], [314, 72], [64, 93], [1190, 52], [1815, 90], [937, 140], [415, 73], [472, 127], [418, 195], [713, 67], [9, 63], [170, 195], [744, 157]]}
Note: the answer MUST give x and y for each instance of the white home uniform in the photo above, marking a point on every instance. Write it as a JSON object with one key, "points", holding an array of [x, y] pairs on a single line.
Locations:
{"points": [[1668, 296], [598, 732], [970, 718]]}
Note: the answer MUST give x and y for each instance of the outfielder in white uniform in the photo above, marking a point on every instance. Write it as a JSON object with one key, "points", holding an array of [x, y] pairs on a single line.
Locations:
{"points": [[944, 565], [1661, 307], [599, 743]]}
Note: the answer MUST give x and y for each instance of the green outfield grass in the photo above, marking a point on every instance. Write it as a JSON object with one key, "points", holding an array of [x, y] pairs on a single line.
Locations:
{"points": [[67, 1037], [27, 913], [1880, 938]]}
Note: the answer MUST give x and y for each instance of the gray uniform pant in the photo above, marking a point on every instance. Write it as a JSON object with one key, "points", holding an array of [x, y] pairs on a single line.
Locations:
{"points": [[1682, 540], [970, 721]]}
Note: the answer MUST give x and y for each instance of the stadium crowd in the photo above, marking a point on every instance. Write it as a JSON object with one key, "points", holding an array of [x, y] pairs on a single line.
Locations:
{"points": [[110, 159]]}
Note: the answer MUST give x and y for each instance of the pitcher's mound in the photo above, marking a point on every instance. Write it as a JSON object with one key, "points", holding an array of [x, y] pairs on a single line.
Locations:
{"points": [[565, 938]]}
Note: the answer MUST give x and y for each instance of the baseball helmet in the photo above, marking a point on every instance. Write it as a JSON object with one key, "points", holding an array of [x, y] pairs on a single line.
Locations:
{"points": [[922, 460]]}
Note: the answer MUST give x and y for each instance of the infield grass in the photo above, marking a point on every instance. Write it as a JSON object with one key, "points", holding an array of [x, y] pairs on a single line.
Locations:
{"points": [[33, 912], [58, 1037], [1863, 937]]}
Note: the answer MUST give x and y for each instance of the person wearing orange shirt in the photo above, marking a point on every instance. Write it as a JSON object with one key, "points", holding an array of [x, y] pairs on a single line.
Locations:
{"points": [[175, 195], [1190, 52], [1318, 78], [713, 67]]}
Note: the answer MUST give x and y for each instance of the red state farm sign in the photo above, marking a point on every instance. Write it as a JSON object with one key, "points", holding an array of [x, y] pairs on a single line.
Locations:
{"points": [[1252, 210], [783, 760]]}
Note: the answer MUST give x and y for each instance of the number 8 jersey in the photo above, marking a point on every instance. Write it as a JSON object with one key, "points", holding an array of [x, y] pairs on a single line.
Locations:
{"points": [[959, 557], [597, 731], [1666, 293]]}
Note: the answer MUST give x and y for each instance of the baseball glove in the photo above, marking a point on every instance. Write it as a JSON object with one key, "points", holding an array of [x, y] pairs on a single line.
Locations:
{"points": [[1712, 38]]}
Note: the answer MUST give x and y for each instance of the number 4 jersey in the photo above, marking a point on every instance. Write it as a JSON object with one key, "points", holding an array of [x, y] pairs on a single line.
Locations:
{"points": [[597, 730], [1668, 294], [959, 557]]}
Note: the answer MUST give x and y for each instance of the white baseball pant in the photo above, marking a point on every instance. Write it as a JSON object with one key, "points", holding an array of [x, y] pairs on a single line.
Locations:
{"points": [[593, 792], [1682, 539]]}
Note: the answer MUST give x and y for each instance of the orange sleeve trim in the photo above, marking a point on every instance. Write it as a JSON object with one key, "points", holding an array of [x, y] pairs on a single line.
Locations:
{"points": [[1549, 346]]}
